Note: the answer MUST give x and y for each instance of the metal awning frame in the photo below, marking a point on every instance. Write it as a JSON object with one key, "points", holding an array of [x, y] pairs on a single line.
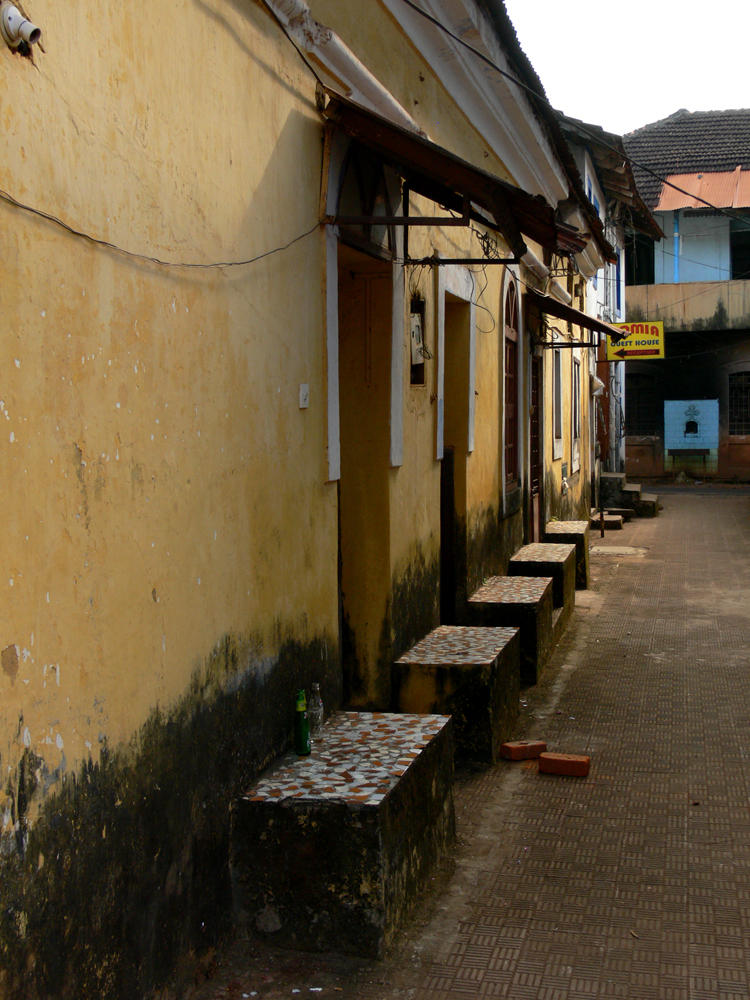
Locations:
{"points": [[453, 183], [557, 345], [551, 307], [409, 221]]}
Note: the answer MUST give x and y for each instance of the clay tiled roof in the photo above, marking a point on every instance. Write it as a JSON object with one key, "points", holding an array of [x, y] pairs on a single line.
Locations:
{"points": [[688, 142]]}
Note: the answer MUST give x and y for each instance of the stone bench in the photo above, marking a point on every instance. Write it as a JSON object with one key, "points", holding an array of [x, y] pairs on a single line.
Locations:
{"points": [[549, 559], [523, 601], [647, 505], [470, 673], [573, 533], [626, 513], [329, 852], [612, 522]]}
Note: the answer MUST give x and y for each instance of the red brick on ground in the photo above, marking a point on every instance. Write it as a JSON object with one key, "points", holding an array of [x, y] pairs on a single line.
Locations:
{"points": [[572, 765], [522, 749]]}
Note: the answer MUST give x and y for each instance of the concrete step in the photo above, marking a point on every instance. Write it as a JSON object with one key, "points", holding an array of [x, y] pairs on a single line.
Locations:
{"points": [[524, 602], [647, 505], [612, 522], [574, 533], [559, 621], [626, 513], [330, 852], [549, 559], [610, 488], [471, 673], [631, 491]]}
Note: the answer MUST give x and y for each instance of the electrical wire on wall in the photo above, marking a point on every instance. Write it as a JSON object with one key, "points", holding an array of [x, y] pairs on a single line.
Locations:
{"points": [[54, 220]]}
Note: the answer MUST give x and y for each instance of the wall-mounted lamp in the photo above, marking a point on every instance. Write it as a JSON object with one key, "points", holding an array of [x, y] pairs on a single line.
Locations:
{"points": [[15, 28]]}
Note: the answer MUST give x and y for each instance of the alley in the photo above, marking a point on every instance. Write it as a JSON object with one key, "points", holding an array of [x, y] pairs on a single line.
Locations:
{"points": [[633, 882]]}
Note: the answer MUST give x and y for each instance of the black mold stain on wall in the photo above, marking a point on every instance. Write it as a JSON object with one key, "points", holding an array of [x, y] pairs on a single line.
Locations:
{"points": [[414, 607], [416, 603], [412, 611], [492, 541], [125, 869]]}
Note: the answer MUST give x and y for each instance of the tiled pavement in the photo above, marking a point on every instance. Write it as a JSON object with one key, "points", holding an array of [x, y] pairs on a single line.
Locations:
{"points": [[633, 882]]}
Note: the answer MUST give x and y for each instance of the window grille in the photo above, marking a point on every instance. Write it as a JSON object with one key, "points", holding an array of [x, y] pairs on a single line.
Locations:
{"points": [[643, 406], [739, 403]]}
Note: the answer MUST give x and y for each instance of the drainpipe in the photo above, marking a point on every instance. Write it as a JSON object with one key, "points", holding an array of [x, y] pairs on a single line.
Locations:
{"points": [[550, 286], [676, 248], [325, 47]]}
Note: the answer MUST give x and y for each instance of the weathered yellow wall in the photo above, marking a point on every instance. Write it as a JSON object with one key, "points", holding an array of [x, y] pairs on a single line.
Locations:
{"points": [[151, 412], [415, 494], [171, 540], [415, 484], [485, 461]]}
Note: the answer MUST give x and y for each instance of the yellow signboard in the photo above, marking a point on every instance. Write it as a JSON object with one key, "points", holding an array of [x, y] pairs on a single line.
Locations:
{"points": [[639, 340]]}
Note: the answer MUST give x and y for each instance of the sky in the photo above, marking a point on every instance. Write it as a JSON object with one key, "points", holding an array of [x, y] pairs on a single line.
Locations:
{"points": [[624, 63]]}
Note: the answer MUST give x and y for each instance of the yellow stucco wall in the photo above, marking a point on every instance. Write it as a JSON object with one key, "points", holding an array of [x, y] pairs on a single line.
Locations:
{"points": [[164, 435], [163, 486]]}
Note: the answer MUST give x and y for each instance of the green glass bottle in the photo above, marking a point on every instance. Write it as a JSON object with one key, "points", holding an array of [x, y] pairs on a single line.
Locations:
{"points": [[301, 726]]}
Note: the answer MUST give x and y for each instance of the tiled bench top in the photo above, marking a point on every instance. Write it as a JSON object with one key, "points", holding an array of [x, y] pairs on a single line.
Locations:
{"points": [[543, 552], [513, 589], [459, 645], [357, 758], [566, 527]]}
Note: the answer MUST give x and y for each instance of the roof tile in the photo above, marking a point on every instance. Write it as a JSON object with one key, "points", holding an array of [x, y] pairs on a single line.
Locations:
{"points": [[687, 142]]}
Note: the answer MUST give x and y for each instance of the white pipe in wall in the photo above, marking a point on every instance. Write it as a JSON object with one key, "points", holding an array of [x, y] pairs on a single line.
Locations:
{"points": [[540, 270], [16, 28], [337, 58]]}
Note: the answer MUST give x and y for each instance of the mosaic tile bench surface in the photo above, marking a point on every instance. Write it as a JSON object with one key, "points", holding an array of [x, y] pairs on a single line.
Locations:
{"points": [[566, 527], [358, 757], [512, 590], [543, 552], [459, 645]]}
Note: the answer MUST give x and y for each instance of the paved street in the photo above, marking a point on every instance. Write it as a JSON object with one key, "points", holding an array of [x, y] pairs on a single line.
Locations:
{"points": [[633, 882]]}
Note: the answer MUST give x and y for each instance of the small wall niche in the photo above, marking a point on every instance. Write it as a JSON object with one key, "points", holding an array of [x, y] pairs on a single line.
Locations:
{"points": [[419, 352]]}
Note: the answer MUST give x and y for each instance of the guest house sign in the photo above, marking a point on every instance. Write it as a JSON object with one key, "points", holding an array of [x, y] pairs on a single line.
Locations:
{"points": [[639, 340]]}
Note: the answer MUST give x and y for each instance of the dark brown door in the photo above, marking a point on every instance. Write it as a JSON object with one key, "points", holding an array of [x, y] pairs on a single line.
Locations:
{"points": [[536, 513]]}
